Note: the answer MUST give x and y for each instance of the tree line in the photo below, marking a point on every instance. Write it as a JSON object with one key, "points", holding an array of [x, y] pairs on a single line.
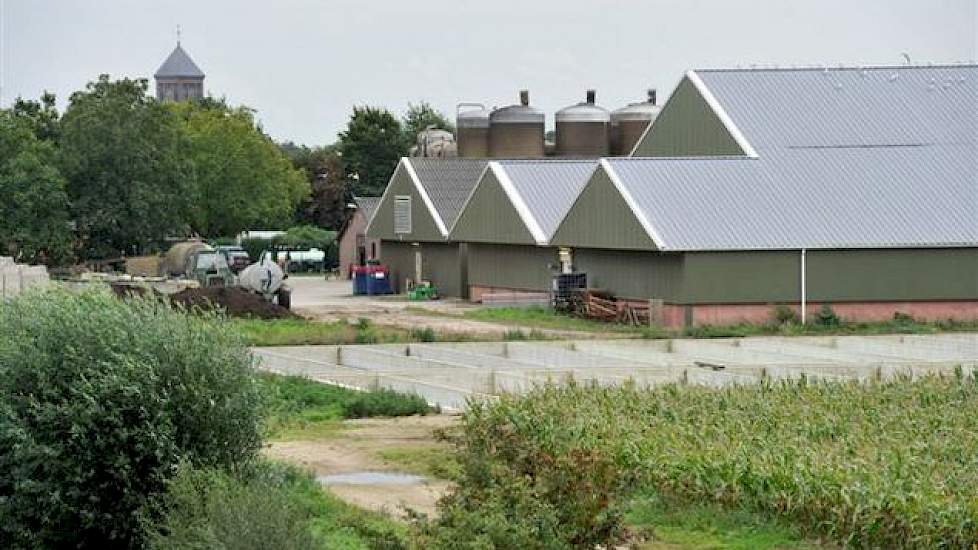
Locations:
{"points": [[118, 173]]}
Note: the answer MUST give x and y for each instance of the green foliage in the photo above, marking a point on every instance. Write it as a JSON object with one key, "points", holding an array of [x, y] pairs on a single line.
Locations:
{"points": [[420, 117], [826, 317], [534, 478], [100, 399], [209, 508], [254, 246], [265, 506], [242, 178], [308, 235], [869, 465], [298, 402], [426, 334], [371, 147], [324, 169], [128, 165], [785, 315], [34, 209], [41, 116]]}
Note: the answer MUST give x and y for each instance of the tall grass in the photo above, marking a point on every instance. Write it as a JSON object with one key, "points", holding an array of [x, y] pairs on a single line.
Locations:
{"points": [[888, 465]]}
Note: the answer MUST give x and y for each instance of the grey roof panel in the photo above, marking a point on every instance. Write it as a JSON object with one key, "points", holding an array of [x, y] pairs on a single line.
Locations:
{"points": [[368, 205], [876, 106], [448, 182], [179, 64], [847, 158], [549, 187], [811, 198]]}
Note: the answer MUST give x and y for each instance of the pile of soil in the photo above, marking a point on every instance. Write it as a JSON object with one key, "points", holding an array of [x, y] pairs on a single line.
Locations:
{"points": [[237, 302]]}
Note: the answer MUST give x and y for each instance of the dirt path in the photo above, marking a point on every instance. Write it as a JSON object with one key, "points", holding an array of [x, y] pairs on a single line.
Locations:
{"points": [[357, 448]]}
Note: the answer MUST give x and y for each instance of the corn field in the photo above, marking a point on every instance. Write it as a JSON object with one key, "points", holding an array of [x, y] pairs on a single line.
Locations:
{"points": [[891, 465]]}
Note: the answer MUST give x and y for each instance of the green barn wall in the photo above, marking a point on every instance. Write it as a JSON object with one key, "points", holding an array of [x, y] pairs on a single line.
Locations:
{"points": [[686, 127], [741, 277], [519, 267], [894, 274], [490, 217], [600, 218], [444, 264], [632, 274], [423, 226]]}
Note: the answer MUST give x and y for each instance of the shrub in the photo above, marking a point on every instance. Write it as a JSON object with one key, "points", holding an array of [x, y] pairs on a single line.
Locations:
{"points": [[533, 477], [785, 315], [826, 317], [900, 317], [255, 246], [385, 402], [514, 334], [426, 334], [99, 400], [209, 508]]}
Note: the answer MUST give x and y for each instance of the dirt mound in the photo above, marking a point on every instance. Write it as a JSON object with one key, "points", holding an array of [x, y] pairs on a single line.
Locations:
{"points": [[237, 302]]}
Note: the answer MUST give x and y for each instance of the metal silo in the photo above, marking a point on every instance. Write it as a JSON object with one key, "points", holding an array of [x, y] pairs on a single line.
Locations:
{"points": [[629, 123], [582, 129], [473, 130], [516, 131]]}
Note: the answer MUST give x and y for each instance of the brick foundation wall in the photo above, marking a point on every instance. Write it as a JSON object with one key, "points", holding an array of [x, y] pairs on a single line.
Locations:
{"points": [[730, 314], [476, 291]]}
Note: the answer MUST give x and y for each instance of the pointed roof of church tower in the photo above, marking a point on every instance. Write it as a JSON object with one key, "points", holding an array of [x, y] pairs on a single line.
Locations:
{"points": [[179, 64]]}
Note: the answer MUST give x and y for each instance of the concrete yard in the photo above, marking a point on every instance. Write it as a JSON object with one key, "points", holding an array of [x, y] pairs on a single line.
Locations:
{"points": [[449, 374]]}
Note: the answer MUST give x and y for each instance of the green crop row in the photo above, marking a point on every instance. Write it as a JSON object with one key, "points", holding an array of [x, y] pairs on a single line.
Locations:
{"points": [[891, 465]]}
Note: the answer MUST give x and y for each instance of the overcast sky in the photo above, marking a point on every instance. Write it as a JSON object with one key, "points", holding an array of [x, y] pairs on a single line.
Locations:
{"points": [[304, 63]]}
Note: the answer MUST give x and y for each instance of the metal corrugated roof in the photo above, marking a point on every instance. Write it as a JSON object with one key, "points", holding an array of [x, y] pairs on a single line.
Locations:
{"points": [[368, 205], [880, 157], [179, 64], [448, 182], [548, 187], [809, 198], [848, 107]]}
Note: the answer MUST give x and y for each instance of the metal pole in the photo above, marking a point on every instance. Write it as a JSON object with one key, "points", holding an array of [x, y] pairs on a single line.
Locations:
{"points": [[804, 291]]}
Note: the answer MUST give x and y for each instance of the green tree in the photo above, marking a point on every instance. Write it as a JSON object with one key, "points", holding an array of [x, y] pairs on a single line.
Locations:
{"points": [[326, 204], [34, 209], [42, 115], [371, 147], [242, 178], [126, 160], [421, 116]]}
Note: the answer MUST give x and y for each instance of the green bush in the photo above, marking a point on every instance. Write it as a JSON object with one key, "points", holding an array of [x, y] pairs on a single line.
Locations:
{"points": [[255, 246], [267, 505], [532, 477], [385, 402], [826, 317], [100, 399], [209, 508], [785, 315], [426, 334]]}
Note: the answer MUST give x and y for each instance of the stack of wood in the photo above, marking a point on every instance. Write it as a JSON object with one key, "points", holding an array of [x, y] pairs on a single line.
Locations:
{"points": [[602, 306]]}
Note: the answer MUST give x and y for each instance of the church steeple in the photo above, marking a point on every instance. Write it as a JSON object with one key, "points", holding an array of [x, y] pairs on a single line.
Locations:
{"points": [[179, 78]]}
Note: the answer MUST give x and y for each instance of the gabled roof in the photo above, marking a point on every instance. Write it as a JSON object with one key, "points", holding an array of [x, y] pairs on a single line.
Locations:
{"points": [[179, 64], [843, 158], [543, 190], [847, 107], [447, 181], [368, 205]]}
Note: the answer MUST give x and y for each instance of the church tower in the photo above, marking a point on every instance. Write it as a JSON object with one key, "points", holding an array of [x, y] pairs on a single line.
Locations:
{"points": [[179, 78]]}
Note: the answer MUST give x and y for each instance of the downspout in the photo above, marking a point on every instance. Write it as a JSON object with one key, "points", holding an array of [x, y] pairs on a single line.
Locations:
{"points": [[804, 291]]}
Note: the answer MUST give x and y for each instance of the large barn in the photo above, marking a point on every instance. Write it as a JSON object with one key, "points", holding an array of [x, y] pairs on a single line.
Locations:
{"points": [[414, 217], [853, 187], [509, 219]]}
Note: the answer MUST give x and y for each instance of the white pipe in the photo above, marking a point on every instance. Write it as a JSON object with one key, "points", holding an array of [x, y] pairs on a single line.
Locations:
{"points": [[804, 291]]}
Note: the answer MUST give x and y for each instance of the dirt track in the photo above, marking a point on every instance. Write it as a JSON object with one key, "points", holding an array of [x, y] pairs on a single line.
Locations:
{"points": [[357, 448]]}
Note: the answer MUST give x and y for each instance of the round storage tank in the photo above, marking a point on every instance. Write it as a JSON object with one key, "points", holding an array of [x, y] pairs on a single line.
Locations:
{"points": [[516, 131], [473, 130], [629, 123], [582, 129]]}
